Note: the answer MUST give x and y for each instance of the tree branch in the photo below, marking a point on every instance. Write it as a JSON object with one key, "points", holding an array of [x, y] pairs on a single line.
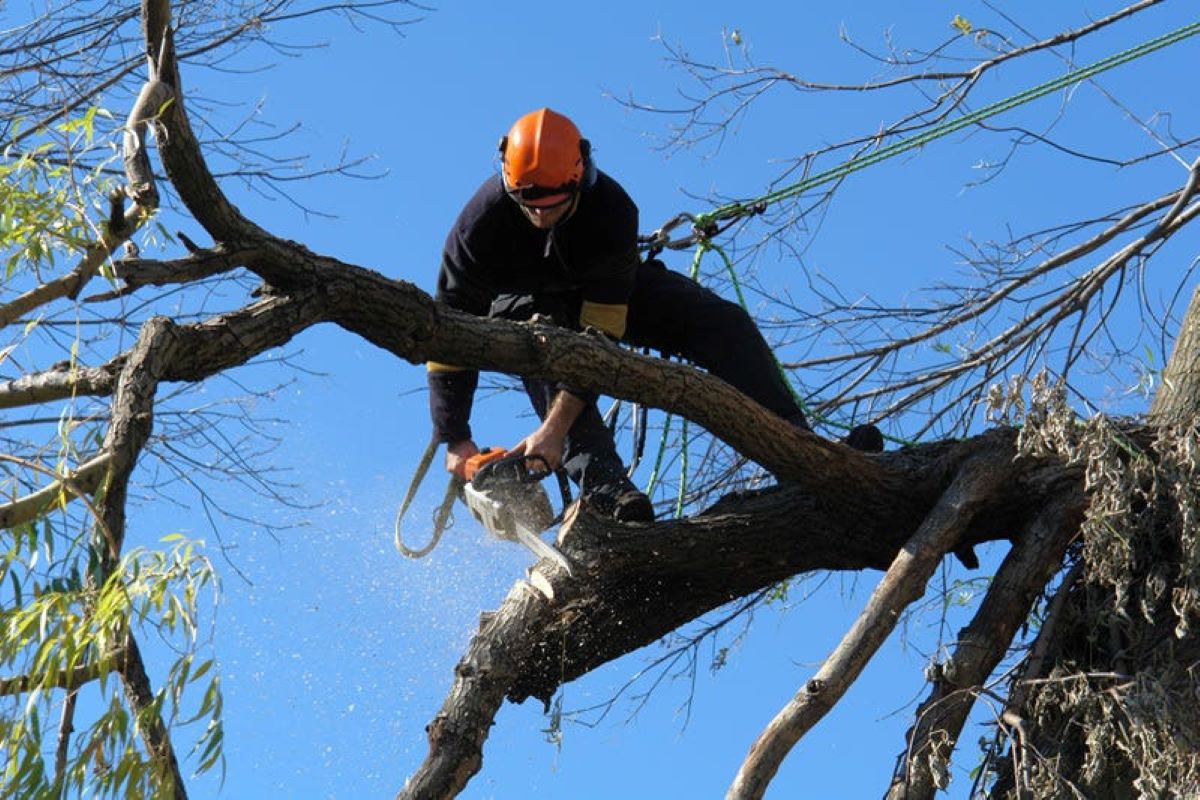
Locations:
{"points": [[1033, 560], [63, 679], [903, 583], [179, 149], [632, 585], [137, 272], [84, 480]]}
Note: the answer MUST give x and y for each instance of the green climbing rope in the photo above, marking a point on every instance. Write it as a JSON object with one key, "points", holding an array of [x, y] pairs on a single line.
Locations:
{"points": [[852, 165], [706, 225]]}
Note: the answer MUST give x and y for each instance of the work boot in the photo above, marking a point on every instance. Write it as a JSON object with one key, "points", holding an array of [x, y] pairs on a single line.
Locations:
{"points": [[634, 506], [622, 501], [865, 438]]}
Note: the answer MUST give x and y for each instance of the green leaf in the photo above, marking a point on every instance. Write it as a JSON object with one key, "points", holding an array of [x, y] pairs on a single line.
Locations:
{"points": [[963, 25], [201, 670]]}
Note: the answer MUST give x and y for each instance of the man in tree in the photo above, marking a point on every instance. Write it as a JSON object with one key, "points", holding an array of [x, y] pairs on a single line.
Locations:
{"points": [[554, 236]]}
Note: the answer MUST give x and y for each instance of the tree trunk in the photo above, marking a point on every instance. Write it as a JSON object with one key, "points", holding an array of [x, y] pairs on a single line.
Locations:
{"points": [[1111, 712], [1178, 398]]}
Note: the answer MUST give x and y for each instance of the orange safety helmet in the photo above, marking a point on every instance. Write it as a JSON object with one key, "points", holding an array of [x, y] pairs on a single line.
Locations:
{"points": [[545, 154]]}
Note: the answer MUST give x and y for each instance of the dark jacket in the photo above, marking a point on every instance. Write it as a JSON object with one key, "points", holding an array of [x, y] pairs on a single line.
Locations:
{"points": [[590, 258]]}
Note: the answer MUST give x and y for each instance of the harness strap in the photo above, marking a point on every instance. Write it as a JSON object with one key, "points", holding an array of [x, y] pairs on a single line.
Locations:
{"points": [[441, 519]]}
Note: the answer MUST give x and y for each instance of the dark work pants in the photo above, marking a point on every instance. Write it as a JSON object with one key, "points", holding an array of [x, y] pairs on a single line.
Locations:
{"points": [[674, 315]]}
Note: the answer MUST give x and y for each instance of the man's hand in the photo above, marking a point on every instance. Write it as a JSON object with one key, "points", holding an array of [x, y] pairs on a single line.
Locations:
{"points": [[548, 440], [542, 443], [457, 455]]}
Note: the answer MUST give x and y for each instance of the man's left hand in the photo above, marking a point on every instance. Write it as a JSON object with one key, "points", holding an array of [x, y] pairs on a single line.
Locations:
{"points": [[542, 443]]}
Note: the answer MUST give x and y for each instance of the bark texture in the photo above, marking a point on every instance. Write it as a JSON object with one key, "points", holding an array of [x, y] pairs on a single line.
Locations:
{"points": [[979, 647], [1177, 401], [636, 584]]}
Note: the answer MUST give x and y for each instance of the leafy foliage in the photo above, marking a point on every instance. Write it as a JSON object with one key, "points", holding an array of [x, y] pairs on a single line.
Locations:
{"points": [[44, 208], [62, 628], [68, 723]]}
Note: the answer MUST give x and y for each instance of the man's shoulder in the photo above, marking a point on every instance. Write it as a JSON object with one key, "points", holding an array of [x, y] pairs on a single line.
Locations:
{"points": [[488, 206], [609, 189], [490, 194], [607, 206]]}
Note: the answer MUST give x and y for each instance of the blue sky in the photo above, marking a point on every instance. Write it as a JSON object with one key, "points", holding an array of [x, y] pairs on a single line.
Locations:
{"points": [[335, 651]]}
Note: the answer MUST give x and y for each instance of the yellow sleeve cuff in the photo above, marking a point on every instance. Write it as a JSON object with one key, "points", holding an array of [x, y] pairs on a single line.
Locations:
{"points": [[434, 366], [608, 317]]}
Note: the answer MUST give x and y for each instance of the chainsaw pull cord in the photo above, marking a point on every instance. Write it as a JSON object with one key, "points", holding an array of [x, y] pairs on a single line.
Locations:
{"points": [[443, 513]]}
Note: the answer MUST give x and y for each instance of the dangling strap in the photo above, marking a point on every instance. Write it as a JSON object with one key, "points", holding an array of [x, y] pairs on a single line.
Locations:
{"points": [[440, 519]]}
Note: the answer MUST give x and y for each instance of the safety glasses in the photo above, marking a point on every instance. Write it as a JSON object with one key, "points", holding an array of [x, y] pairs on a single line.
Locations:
{"points": [[541, 197]]}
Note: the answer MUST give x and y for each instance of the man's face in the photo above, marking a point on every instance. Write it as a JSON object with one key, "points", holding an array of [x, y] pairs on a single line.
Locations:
{"points": [[546, 217], [546, 212]]}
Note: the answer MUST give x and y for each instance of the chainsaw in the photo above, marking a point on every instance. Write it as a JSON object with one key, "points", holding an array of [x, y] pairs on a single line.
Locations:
{"points": [[503, 491]]}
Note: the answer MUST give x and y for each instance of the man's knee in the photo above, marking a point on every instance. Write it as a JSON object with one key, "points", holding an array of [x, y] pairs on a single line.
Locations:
{"points": [[514, 307]]}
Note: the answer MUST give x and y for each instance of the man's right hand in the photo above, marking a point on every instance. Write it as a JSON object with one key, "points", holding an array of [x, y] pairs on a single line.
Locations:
{"points": [[457, 455]]}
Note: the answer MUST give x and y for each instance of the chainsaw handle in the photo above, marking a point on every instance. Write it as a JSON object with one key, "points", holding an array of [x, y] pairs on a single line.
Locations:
{"points": [[516, 467], [471, 465], [534, 475]]}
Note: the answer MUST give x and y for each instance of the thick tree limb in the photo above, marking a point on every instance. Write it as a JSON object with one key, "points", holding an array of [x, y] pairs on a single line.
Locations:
{"points": [[633, 585], [1035, 557], [129, 428], [404, 320], [903, 583]]}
